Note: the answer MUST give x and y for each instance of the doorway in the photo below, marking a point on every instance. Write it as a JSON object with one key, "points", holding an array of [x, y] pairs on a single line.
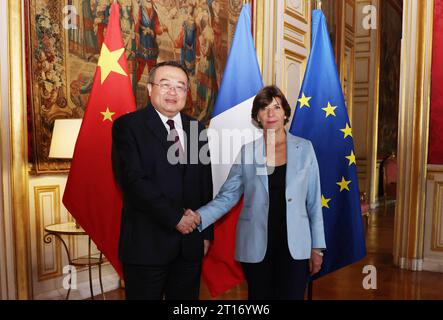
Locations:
{"points": [[391, 15]]}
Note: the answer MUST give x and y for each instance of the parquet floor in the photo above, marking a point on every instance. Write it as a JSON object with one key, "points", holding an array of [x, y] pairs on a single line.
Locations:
{"points": [[347, 283]]}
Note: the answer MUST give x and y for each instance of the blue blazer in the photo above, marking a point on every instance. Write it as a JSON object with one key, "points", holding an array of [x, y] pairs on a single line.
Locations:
{"points": [[248, 176]]}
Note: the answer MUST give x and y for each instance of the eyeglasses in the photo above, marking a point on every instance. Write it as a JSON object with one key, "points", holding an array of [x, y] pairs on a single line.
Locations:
{"points": [[180, 90]]}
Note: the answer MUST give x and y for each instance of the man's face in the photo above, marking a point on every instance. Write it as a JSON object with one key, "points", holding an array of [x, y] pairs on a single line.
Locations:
{"points": [[169, 90]]}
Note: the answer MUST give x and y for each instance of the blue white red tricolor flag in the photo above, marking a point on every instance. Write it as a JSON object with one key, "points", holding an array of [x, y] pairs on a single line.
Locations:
{"points": [[241, 82]]}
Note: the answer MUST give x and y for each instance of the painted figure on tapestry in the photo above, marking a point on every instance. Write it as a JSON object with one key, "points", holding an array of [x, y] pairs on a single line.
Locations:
{"points": [[206, 75], [217, 29], [90, 44], [75, 35], [101, 19], [128, 12], [187, 40], [148, 28]]}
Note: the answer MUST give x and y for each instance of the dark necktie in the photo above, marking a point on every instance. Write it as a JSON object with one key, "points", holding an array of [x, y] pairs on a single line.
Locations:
{"points": [[173, 131]]}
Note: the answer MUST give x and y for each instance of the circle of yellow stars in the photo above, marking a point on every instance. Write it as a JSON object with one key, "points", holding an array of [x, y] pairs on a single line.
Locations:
{"points": [[347, 132]]}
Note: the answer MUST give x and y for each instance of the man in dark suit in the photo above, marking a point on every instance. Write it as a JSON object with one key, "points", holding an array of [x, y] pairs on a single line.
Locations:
{"points": [[158, 260]]}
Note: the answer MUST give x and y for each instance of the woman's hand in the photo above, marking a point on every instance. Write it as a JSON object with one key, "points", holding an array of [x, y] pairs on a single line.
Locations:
{"points": [[315, 261]]}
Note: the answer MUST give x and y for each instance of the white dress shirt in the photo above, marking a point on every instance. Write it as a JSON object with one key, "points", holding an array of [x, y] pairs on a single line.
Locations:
{"points": [[177, 123]]}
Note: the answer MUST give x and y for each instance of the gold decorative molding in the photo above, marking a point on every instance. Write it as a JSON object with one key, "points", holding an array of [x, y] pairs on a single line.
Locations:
{"points": [[363, 33], [437, 232], [1, 109], [259, 32], [361, 93], [17, 98], [274, 43], [340, 36], [265, 39], [414, 110], [292, 43], [295, 31], [302, 16], [348, 77], [366, 94], [297, 58], [367, 61], [351, 5], [435, 168], [3, 250], [372, 140], [363, 47], [433, 171], [54, 193], [349, 56]]}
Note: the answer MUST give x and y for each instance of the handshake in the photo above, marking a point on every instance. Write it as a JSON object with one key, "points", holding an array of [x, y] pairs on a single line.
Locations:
{"points": [[189, 221]]}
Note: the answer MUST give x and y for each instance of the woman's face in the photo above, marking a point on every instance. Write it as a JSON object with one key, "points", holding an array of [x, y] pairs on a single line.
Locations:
{"points": [[272, 116]]}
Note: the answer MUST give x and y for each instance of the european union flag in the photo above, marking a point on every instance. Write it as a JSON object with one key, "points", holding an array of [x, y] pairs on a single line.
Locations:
{"points": [[321, 117]]}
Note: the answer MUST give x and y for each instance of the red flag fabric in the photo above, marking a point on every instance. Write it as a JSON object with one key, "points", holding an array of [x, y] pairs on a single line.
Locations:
{"points": [[220, 271], [91, 194]]}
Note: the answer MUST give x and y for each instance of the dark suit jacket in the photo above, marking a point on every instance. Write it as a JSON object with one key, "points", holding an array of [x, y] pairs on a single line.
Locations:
{"points": [[155, 192]]}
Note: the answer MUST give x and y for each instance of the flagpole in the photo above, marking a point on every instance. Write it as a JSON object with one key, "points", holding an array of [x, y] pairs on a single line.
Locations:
{"points": [[311, 281]]}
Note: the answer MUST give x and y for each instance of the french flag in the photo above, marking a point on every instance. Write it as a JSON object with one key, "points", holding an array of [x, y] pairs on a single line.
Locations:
{"points": [[229, 129]]}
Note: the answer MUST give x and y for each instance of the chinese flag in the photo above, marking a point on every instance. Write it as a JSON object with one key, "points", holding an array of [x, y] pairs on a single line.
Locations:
{"points": [[92, 195]]}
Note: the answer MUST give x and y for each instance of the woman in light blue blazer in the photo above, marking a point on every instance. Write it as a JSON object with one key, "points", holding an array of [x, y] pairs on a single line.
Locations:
{"points": [[280, 236]]}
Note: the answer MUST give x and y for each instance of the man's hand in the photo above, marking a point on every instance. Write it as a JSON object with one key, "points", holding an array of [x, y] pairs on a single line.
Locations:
{"points": [[186, 224], [315, 262], [189, 222], [195, 215]]}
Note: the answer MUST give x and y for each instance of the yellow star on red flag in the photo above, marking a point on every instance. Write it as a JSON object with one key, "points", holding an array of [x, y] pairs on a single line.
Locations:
{"points": [[107, 115], [108, 62]]}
